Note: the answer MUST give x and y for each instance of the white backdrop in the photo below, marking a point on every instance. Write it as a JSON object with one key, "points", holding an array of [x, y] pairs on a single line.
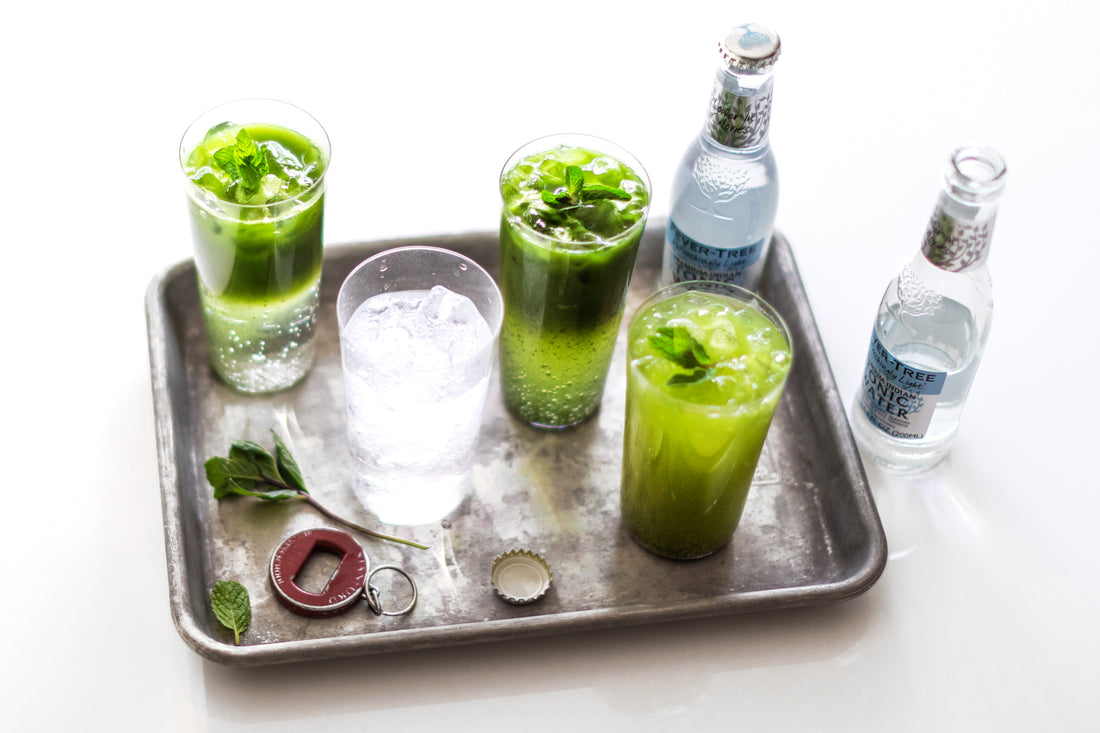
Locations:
{"points": [[985, 617]]}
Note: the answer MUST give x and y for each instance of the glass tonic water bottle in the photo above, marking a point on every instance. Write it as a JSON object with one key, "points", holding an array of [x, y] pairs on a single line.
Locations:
{"points": [[725, 191], [933, 323]]}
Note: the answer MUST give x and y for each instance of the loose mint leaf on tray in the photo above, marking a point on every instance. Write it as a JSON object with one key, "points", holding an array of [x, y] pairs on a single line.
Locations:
{"points": [[228, 474], [264, 462], [288, 467], [232, 607], [250, 470]]}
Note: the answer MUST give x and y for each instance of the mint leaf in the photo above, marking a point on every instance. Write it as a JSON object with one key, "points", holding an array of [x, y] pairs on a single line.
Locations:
{"points": [[255, 454], [250, 470], [697, 375], [250, 181], [227, 161], [228, 475], [577, 191], [555, 199], [246, 148], [574, 181], [238, 488], [699, 351], [244, 162], [232, 607], [288, 467], [272, 495], [678, 346], [597, 191]]}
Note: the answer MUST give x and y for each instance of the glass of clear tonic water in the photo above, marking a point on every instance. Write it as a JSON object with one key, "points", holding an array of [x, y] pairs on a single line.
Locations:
{"points": [[418, 332], [255, 173]]}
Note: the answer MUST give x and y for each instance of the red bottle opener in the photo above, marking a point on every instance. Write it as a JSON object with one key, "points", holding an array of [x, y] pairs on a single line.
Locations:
{"points": [[343, 588], [349, 583]]}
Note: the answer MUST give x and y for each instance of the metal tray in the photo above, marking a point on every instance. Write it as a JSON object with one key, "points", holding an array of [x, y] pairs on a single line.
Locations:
{"points": [[810, 533]]}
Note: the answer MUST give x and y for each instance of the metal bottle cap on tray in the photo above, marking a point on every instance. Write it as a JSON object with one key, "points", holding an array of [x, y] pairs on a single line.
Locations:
{"points": [[520, 576], [750, 47]]}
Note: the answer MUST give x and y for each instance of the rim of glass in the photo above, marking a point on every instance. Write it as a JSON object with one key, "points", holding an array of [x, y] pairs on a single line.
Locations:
{"points": [[580, 139], [324, 145], [733, 291], [494, 325]]}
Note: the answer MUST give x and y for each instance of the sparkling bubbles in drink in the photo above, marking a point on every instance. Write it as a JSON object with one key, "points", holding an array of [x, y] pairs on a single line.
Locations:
{"points": [[574, 211], [932, 324], [256, 194], [726, 189], [706, 364], [416, 371]]}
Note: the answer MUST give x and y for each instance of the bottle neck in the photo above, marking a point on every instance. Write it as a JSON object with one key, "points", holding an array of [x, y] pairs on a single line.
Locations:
{"points": [[961, 228], [958, 235], [740, 109]]}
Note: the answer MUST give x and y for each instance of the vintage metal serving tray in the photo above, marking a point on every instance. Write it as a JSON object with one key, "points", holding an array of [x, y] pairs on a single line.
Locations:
{"points": [[810, 533]]}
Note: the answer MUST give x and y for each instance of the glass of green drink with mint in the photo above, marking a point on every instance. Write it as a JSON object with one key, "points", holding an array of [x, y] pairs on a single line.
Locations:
{"points": [[574, 209], [706, 365], [255, 186]]}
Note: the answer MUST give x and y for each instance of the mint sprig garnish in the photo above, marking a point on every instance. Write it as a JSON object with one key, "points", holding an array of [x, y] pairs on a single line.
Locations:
{"points": [[576, 192], [232, 607], [244, 162], [250, 470], [676, 344]]}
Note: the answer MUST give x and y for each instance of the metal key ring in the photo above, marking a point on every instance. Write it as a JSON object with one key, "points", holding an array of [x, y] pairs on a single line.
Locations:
{"points": [[372, 595]]}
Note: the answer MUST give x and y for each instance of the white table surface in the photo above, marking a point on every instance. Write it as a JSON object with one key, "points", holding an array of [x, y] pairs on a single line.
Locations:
{"points": [[985, 618]]}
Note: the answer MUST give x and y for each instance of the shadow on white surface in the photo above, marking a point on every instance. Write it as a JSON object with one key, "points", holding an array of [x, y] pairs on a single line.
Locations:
{"points": [[659, 670]]}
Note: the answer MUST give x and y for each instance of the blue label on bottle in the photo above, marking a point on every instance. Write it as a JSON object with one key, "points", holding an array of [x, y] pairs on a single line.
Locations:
{"points": [[692, 260], [897, 398]]}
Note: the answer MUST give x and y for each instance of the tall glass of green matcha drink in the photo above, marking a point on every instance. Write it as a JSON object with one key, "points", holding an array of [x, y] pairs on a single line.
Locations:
{"points": [[255, 184], [574, 211], [706, 364]]}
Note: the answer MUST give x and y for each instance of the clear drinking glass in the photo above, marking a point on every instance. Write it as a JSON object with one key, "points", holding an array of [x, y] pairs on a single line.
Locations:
{"points": [[706, 364], [256, 217], [418, 331], [567, 250]]}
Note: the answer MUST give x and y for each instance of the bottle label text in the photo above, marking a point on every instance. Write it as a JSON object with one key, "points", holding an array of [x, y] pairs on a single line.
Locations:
{"points": [[897, 398], [692, 260]]}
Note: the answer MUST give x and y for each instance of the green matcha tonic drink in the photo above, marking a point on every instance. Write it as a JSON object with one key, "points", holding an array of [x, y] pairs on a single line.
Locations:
{"points": [[255, 172], [706, 363], [574, 211]]}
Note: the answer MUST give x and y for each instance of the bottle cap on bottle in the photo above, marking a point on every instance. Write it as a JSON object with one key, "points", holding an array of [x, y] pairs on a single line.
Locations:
{"points": [[750, 47]]}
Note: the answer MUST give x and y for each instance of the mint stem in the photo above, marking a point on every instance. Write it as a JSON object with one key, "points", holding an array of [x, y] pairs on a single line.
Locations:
{"points": [[352, 525], [334, 517]]}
